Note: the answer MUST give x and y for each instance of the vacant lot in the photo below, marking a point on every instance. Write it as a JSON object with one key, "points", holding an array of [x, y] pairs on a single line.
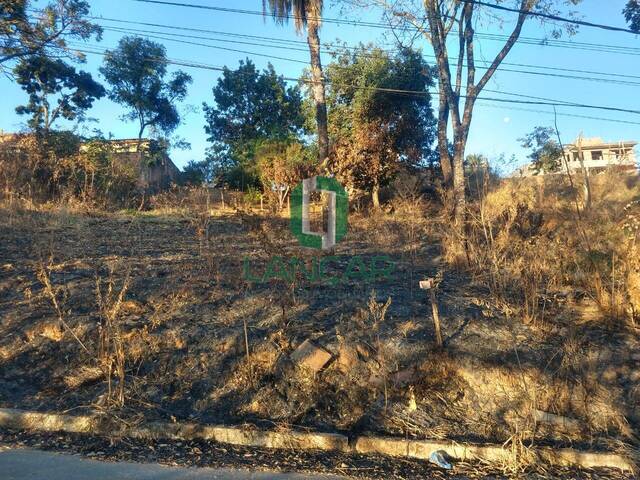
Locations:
{"points": [[150, 315]]}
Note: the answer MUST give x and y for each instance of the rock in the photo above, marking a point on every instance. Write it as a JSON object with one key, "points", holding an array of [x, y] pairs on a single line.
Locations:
{"points": [[310, 356]]}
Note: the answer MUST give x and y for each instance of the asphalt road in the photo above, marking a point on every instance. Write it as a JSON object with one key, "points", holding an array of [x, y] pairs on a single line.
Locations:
{"points": [[27, 464]]}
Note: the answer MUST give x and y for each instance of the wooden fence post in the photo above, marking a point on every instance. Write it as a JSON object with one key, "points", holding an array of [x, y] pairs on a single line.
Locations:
{"points": [[429, 284]]}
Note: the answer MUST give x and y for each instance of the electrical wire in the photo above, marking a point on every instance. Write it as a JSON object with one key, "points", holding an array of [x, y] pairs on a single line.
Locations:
{"points": [[547, 101], [151, 33], [199, 65], [488, 36], [557, 18]]}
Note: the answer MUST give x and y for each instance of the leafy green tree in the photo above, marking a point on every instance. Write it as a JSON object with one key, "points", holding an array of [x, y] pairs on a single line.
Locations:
{"points": [[375, 128], [632, 14], [136, 72], [308, 13], [282, 165], [25, 31], [56, 90], [250, 108], [193, 173], [546, 153]]}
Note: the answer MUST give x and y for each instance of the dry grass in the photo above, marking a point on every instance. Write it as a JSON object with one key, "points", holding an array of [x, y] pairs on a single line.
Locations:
{"points": [[525, 307], [527, 243]]}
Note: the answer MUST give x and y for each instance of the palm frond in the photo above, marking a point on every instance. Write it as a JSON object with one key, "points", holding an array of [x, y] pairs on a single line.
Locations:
{"points": [[300, 10]]}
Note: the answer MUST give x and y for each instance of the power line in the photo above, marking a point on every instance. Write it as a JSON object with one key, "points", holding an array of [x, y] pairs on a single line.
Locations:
{"points": [[152, 35], [338, 47], [549, 16], [332, 45], [198, 65], [523, 40], [574, 115], [328, 44], [399, 91], [547, 101], [262, 14]]}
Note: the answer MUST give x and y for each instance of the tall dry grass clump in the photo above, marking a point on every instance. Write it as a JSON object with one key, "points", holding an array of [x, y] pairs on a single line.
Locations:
{"points": [[534, 243], [62, 168]]}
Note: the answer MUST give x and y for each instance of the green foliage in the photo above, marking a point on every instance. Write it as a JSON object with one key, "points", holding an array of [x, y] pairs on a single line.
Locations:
{"points": [[56, 90], [375, 128], [252, 196], [136, 72], [193, 173], [237, 177], [282, 165], [632, 14], [546, 153], [60, 144], [25, 33], [250, 108]]}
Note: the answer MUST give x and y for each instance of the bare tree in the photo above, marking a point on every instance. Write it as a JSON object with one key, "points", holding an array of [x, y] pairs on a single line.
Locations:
{"points": [[452, 22]]}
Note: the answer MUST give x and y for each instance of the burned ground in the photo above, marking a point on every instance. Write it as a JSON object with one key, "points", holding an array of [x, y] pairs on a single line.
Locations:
{"points": [[181, 326]]}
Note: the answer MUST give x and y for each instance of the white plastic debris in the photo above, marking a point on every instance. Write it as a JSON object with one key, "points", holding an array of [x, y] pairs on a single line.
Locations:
{"points": [[439, 458]]}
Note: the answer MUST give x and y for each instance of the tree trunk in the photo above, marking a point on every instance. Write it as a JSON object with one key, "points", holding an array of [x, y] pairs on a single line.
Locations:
{"points": [[585, 176], [461, 135], [45, 119], [443, 142], [375, 196], [318, 89], [140, 132], [459, 201]]}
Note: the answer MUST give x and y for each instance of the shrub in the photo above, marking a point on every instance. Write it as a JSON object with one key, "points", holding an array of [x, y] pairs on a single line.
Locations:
{"points": [[61, 167]]}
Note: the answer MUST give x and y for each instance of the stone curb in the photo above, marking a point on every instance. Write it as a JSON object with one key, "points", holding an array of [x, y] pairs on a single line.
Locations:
{"points": [[394, 447], [242, 436], [51, 422], [46, 422], [422, 449]]}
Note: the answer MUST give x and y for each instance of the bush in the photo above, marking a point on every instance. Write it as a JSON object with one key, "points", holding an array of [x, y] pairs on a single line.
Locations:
{"points": [[527, 243], [61, 167]]}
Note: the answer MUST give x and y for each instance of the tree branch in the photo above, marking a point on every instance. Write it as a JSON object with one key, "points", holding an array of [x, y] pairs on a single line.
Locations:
{"points": [[525, 7]]}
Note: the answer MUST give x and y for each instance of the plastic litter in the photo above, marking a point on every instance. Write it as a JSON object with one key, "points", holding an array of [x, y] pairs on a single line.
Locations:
{"points": [[439, 458]]}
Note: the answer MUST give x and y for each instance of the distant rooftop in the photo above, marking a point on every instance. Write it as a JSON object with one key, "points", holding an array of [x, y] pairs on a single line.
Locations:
{"points": [[597, 142]]}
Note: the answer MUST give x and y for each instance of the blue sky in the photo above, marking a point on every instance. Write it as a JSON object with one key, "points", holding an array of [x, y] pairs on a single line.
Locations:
{"points": [[495, 129]]}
